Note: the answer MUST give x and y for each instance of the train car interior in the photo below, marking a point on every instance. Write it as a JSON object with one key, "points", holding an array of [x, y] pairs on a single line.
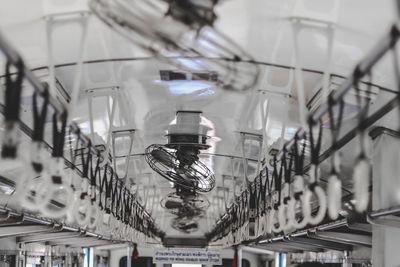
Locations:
{"points": [[199, 133]]}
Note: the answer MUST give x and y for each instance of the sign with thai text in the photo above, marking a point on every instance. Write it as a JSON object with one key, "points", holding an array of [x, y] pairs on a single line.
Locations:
{"points": [[193, 256]]}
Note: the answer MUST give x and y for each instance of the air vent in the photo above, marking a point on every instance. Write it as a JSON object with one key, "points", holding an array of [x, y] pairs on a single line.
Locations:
{"points": [[176, 75]]}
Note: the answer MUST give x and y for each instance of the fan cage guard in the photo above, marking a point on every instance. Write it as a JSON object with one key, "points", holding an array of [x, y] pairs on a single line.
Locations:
{"points": [[185, 225], [195, 177], [236, 69], [192, 206]]}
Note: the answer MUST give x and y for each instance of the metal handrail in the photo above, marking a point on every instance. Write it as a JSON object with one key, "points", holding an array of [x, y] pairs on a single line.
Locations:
{"points": [[362, 69], [15, 59]]}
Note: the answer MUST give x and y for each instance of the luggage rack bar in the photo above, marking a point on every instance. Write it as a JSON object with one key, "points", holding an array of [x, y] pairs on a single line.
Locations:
{"points": [[324, 227], [321, 237], [386, 217], [385, 212], [53, 227]]}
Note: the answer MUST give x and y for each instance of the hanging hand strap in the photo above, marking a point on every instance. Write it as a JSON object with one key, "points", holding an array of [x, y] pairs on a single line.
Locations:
{"points": [[252, 187], [265, 190], [233, 217], [114, 198], [71, 150], [245, 207], [242, 210], [260, 199], [278, 181], [298, 157], [59, 134], [239, 212], [128, 205], [74, 149], [335, 127], [288, 175], [315, 150], [86, 161], [118, 199], [274, 176], [102, 187], [131, 211], [39, 119], [13, 93], [94, 173], [315, 147], [109, 192], [124, 202], [12, 100], [58, 141], [119, 203], [363, 112]]}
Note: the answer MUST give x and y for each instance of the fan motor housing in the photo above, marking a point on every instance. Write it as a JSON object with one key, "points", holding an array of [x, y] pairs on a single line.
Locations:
{"points": [[188, 131], [196, 13]]}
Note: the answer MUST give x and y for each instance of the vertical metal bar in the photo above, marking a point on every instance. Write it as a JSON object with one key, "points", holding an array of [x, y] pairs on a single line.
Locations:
{"points": [[299, 76], [128, 256], [78, 69], [91, 118], [327, 75], [244, 160], [264, 116], [50, 59], [239, 256]]}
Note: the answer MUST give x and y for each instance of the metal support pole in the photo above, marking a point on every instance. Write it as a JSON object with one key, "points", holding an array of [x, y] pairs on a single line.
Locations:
{"points": [[385, 190], [48, 256], [346, 262], [21, 257], [239, 256], [128, 256]]}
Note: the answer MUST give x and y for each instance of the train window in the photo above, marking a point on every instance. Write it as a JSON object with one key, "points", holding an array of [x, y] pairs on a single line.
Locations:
{"points": [[140, 262], [228, 263]]}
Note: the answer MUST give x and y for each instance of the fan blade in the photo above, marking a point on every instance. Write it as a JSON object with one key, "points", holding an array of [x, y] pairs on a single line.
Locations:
{"points": [[169, 204], [190, 226], [164, 157], [195, 177]]}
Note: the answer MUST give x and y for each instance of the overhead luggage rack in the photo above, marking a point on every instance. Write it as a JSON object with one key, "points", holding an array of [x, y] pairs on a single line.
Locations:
{"points": [[30, 229], [340, 235]]}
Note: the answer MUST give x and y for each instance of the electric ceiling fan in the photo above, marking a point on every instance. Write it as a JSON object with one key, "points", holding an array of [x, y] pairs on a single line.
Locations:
{"points": [[185, 202], [181, 33], [185, 224], [178, 161]]}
